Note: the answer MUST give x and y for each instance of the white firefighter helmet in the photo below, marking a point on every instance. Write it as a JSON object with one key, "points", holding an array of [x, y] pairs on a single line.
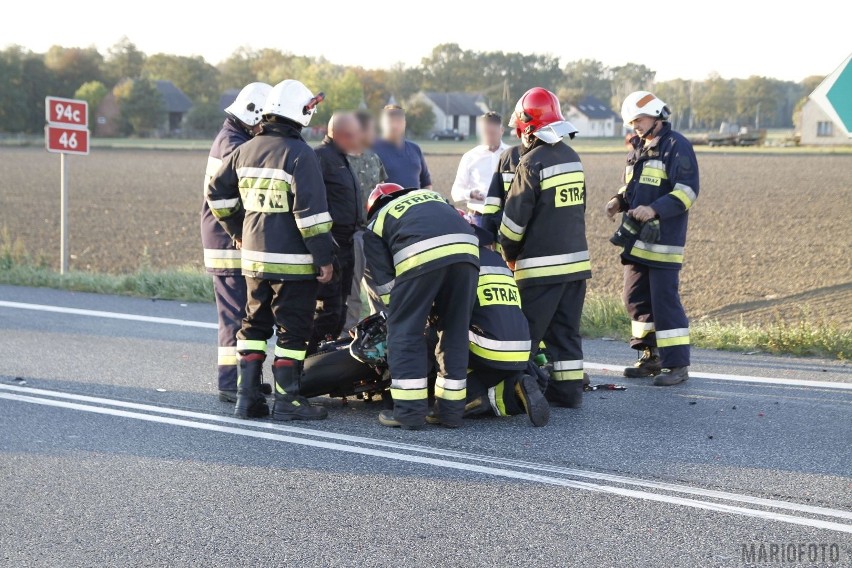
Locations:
{"points": [[643, 103], [248, 106], [291, 99]]}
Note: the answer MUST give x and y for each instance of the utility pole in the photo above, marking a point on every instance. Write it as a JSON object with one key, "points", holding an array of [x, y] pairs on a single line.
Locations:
{"points": [[757, 117]]}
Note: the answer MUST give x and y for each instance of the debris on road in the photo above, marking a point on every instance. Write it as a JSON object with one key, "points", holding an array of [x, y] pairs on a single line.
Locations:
{"points": [[606, 386]]}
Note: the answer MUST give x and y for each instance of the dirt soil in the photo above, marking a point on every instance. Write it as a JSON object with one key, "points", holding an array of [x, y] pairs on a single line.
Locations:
{"points": [[769, 235]]}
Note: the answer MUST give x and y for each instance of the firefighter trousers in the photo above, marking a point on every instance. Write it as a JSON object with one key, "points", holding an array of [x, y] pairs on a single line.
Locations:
{"points": [[448, 294], [553, 312], [283, 306], [230, 294], [657, 317], [330, 312], [497, 386]]}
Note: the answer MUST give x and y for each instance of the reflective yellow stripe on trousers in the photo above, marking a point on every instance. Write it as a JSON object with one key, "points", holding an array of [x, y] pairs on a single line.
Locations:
{"points": [[409, 389]]}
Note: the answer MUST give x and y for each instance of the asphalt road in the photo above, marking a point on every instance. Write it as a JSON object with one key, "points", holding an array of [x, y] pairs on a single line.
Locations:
{"points": [[114, 451]]}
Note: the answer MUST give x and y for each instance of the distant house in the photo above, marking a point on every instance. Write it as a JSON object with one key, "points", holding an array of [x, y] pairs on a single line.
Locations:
{"points": [[454, 111], [818, 129], [175, 102], [593, 118], [826, 117]]}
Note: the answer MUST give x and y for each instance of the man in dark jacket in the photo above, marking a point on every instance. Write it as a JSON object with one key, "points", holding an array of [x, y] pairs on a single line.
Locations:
{"points": [[221, 256], [270, 198], [347, 214], [661, 186], [543, 235]]}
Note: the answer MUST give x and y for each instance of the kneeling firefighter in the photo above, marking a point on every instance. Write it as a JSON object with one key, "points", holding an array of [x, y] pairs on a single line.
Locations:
{"points": [[500, 345], [423, 258]]}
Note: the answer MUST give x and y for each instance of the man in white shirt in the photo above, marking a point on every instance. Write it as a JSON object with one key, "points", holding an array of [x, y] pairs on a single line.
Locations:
{"points": [[478, 165]]}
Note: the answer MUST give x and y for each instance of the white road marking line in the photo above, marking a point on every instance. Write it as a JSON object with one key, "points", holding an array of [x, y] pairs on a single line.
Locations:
{"points": [[486, 470], [108, 315], [663, 486], [738, 378], [593, 366]]}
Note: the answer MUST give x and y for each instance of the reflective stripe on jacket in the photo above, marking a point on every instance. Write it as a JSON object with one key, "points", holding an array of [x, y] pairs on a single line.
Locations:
{"points": [[501, 182], [220, 255], [413, 234], [499, 334], [544, 220], [665, 177], [269, 192]]}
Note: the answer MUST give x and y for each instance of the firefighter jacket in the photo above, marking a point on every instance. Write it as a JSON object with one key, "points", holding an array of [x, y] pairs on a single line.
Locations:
{"points": [[269, 193], [544, 220], [492, 213], [221, 257], [664, 176], [413, 234], [499, 334]]}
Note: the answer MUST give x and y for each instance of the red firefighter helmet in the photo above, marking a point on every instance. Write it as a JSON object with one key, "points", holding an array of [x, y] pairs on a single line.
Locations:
{"points": [[383, 193], [538, 112]]}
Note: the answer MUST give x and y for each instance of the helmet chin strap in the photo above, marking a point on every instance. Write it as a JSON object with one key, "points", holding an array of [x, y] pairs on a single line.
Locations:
{"points": [[649, 133]]}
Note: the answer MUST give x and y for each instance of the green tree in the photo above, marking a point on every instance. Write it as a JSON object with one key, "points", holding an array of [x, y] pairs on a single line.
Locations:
{"points": [[586, 77], [24, 82], [123, 61], [235, 72], [450, 68], [73, 66], [714, 102], [374, 82], [677, 94], [402, 81], [420, 118], [192, 75], [93, 92], [142, 109], [756, 95], [628, 78], [204, 119], [342, 91]]}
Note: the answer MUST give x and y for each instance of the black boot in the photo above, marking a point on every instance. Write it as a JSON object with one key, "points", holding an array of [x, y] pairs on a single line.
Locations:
{"points": [[648, 365], [533, 401], [671, 377], [250, 400], [289, 405], [565, 394]]}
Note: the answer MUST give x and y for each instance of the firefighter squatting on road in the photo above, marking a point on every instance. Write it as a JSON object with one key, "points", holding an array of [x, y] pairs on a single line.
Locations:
{"points": [[480, 310]]}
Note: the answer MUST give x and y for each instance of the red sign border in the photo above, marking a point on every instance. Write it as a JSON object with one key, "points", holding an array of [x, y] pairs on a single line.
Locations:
{"points": [[47, 105], [47, 127]]}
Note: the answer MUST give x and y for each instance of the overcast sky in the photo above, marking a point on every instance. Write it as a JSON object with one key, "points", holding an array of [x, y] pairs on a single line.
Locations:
{"points": [[685, 38]]}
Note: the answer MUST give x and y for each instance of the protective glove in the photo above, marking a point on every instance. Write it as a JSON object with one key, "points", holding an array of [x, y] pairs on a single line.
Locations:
{"points": [[626, 232], [650, 232]]}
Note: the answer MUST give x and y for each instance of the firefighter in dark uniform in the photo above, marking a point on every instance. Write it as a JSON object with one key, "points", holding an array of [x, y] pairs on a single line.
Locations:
{"points": [[492, 213], [221, 256], [423, 258], [543, 235], [662, 185], [269, 196], [500, 345]]}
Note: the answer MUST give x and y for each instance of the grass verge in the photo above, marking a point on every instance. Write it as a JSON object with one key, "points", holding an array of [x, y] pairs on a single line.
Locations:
{"points": [[602, 316]]}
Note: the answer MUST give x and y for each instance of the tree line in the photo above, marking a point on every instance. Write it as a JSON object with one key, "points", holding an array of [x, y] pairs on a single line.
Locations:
{"points": [[27, 77]]}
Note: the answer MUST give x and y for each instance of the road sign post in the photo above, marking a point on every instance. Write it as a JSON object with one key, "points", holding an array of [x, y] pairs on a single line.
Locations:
{"points": [[66, 133]]}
